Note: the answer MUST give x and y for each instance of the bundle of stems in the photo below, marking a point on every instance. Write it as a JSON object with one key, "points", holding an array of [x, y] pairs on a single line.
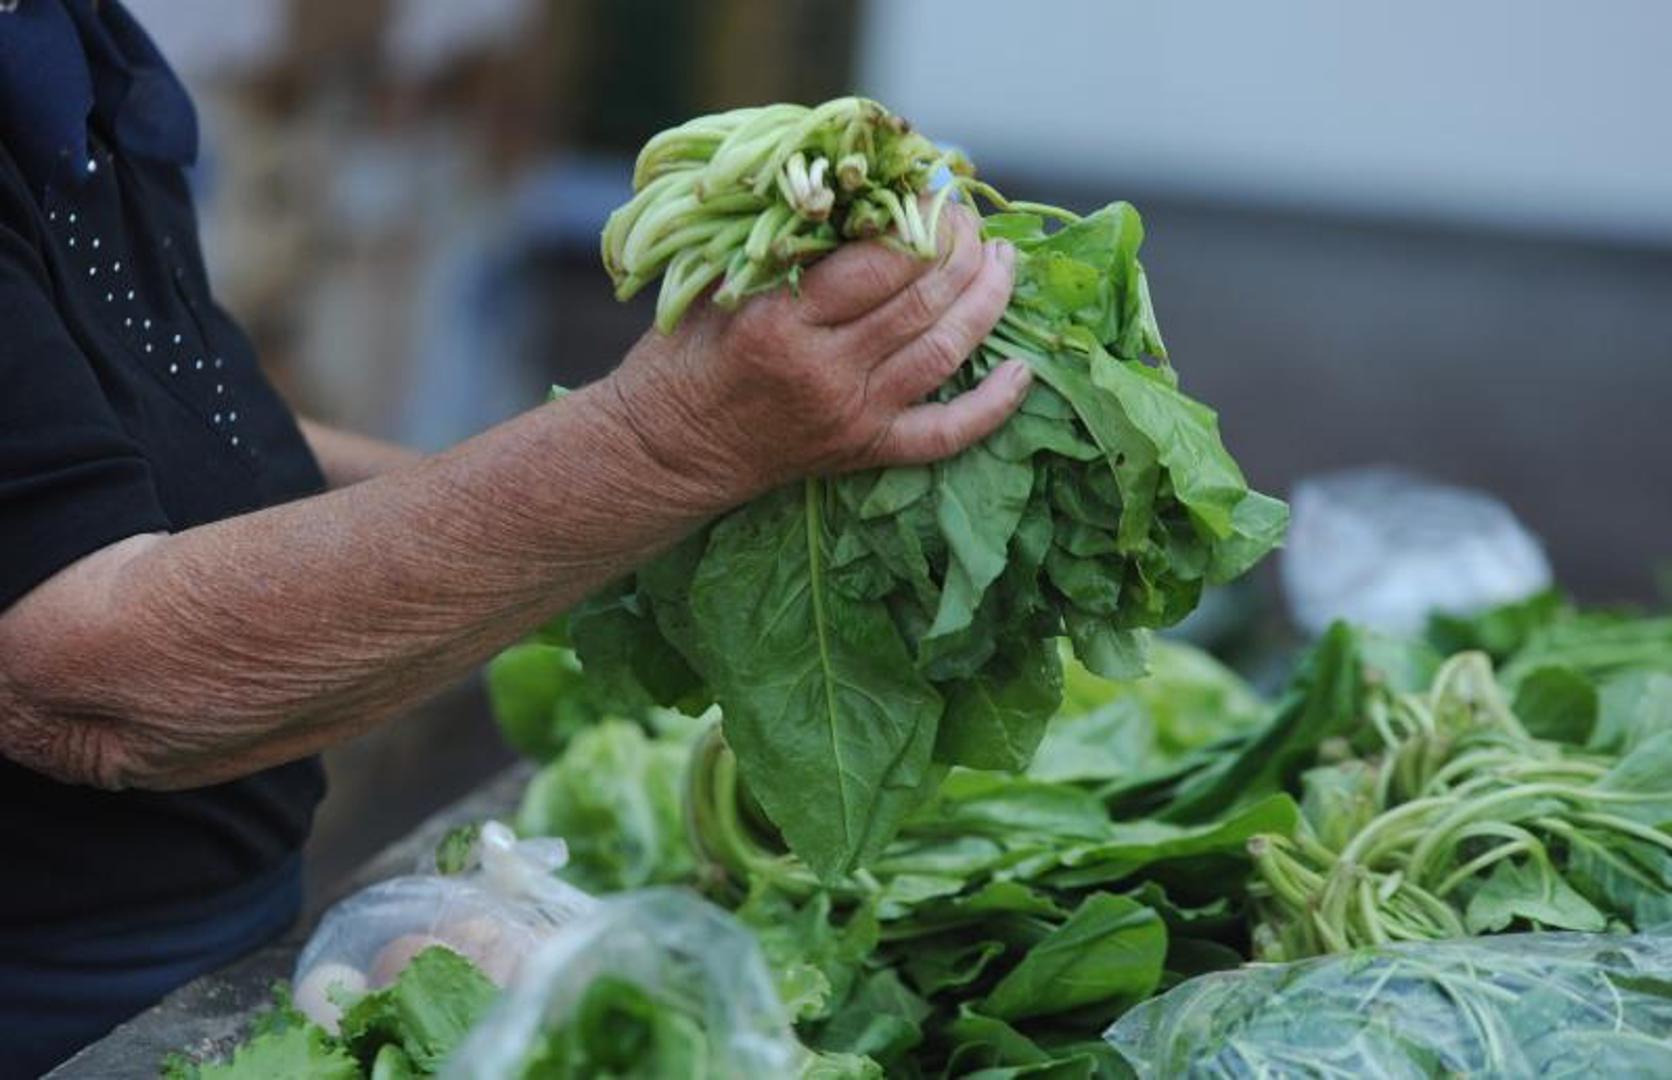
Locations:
{"points": [[745, 198], [1462, 816]]}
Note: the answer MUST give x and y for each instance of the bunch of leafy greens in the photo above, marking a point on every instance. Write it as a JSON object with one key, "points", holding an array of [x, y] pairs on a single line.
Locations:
{"points": [[405, 1029], [863, 633]]}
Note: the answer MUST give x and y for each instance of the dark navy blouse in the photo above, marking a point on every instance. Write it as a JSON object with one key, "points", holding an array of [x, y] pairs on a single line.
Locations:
{"points": [[129, 403]]}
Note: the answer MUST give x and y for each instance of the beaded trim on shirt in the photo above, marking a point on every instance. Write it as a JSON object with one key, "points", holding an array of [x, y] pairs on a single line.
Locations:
{"points": [[181, 355]]}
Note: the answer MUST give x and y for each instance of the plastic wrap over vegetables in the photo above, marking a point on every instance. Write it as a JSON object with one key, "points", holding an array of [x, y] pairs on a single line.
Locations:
{"points": [[861, 632], [1576, 1005], [651, 984]]}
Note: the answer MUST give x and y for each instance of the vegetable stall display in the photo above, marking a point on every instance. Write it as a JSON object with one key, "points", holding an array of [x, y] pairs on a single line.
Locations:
{"points": [[907, 728], [864, 632]]}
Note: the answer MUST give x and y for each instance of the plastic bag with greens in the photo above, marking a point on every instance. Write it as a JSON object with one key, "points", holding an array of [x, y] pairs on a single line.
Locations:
{"points": [[485, 895], [656, 983], [1549, 1004]]}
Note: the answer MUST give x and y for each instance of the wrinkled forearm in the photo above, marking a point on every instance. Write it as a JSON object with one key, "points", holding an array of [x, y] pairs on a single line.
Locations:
{"points": [[347, 458], [184, 660]]}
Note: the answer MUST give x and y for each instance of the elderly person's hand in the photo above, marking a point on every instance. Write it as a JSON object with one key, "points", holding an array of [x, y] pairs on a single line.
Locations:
{"points": [[831, 377]]}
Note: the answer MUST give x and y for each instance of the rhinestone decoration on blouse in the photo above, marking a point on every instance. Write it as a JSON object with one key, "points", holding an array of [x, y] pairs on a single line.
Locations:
{"points": [[181, 360]]}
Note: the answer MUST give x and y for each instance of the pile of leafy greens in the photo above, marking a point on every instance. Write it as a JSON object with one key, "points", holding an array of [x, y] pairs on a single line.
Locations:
{"points": [[1014, 916], [864, 632]]}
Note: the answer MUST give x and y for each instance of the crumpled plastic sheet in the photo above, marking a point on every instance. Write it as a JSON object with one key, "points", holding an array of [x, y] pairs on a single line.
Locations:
{"points": [[1384, 548], [1596, 1006]]}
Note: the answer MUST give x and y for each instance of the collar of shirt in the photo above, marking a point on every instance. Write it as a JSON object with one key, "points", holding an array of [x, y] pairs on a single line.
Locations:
{"points": [[67, 63]]}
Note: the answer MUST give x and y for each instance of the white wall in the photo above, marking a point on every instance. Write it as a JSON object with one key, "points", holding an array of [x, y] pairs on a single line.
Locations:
{"points": [[1527, 113]]}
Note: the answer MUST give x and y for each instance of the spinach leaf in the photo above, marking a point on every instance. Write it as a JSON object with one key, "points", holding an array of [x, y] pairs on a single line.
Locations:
{"points": [[995, 719], [832, 726], [1109, 951], [1533, 893], [1323, 700]]}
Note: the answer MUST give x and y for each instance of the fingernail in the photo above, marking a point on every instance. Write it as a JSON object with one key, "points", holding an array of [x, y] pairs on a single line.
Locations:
{"points": [[1017, 374], [1007, 252]]}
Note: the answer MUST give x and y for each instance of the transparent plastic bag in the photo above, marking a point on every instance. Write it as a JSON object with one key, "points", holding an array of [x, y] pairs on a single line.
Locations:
{"points": [[1384, 548], [1553, 1004], [688, 959], [496, 910]]}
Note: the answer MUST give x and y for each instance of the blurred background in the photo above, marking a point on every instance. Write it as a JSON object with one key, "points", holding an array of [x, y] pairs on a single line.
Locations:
{"points": [[1427, 234]]}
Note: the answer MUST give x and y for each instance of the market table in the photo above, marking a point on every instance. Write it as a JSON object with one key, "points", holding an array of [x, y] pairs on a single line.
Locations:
{"points": [[207, 1016]]}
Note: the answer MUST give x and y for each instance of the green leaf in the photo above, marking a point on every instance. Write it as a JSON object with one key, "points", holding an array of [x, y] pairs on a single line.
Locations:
{"points": [[1644, 771], [1339, 800], [1025, 435], [426, 1011], [299, 1051], [1533, 893], [392, 1063], [1557, 703], [996, 719], [1628, 878], [979, 499], [1257, 527], [1000, 805], [536, 696], [1499, 632], [986, 1041], [614, 797], [619, 1029], [882, 1020], [1130, 454], [1322, 701], [627, 660], [814, 959], [1185, 435], [1106, 650], [1632, 707], [948, 962], [1109, 951], [1131, 846], [832, 725], [895, 489], [456, 852]]}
